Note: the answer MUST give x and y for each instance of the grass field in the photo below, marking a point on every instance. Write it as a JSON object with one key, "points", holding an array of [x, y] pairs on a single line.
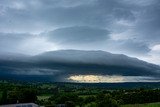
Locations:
{"points": [[143, 105], [43, 97]]}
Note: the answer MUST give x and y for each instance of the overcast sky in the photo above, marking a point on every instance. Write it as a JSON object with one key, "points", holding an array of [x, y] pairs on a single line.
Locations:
{"points": [[130, 27]]}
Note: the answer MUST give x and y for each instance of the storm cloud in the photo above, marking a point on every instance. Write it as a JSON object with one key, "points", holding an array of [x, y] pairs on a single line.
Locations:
{"points": [[77, 34], [64, 64], [124, 27]]}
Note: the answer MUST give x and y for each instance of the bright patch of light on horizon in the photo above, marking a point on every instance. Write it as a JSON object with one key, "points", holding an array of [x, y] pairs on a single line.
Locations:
{"points": [[109, 78]]}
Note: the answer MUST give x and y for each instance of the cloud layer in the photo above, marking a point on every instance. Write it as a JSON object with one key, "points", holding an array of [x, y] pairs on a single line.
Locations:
{"points": [[77, 35], [126, 26], [65, 64]]}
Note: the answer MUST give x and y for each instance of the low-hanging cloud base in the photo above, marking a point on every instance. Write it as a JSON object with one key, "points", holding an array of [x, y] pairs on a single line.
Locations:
{"points": [[76, 65]]}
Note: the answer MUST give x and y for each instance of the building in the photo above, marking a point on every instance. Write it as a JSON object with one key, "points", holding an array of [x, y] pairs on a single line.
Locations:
{"points": [[21, 105]]}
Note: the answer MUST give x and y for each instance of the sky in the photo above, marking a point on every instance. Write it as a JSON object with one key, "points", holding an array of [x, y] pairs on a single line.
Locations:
{"points": [[130, 27]]}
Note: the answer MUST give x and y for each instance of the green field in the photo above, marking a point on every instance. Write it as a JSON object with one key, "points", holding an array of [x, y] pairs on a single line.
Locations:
{"points": [[143, 105], [43, 97]]}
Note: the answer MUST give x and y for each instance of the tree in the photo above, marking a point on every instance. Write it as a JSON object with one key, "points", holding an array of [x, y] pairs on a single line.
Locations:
{"points": [[70, 104], [3, 99], [62, 98], [107, 101], [89, 99]]}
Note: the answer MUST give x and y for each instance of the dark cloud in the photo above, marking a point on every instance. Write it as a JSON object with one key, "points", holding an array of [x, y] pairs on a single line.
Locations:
{"points": [[130, 46], [148, 25], [50, 13], [65, 63], [77, 34], [75, 24], [10, 41]]}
